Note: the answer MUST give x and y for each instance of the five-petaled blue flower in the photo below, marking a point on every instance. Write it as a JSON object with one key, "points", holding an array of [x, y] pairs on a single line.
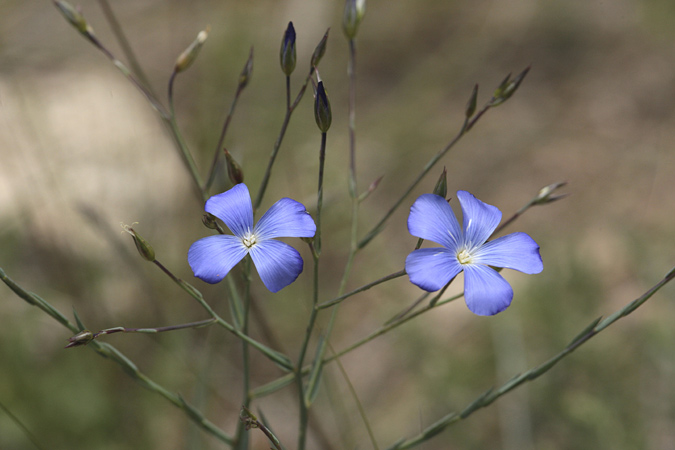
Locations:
{"points": [[465, 249], [278, 264]]}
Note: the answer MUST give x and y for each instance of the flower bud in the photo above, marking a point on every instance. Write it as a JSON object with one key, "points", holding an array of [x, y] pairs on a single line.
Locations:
{"points": [[471, 104], [287, 53], [209, 221], [441, 187], [322, 112], [354, 12], [82, 338], [544, 196], [319, 51], [245, 75], [507, 88], [144, 248], [233, 169], [74, 17], [188, 56]]}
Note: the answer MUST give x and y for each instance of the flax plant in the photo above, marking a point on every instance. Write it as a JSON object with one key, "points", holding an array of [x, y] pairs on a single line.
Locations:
{"points": [[473, 247]]}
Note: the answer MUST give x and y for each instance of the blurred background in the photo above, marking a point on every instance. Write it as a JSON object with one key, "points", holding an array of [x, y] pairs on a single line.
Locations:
{"points": [[81, 151]]}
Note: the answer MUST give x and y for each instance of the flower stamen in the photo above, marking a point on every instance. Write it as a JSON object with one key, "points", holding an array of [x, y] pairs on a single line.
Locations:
{"points": [[464, 257], [249, 240]]}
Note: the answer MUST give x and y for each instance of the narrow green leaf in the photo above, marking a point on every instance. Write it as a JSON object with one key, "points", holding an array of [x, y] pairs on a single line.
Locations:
{"points": [[235, 304], [79, 323], [315, 373], [273, 386]]}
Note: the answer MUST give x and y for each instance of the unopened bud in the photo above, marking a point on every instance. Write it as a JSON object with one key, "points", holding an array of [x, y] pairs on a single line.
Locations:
{"points": [[508, 87], [245, 75], [354, 12], [544, 196], [233, 169], [82, 338], [186, 58], [287, 54], [74, 17], [471, 104], [441, 188], [144, 248], [319, 51], [209, 221], [322, 112], [370, 189]]}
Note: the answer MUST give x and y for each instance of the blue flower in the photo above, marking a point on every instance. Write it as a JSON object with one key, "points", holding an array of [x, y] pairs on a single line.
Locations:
{"points": [[278, 264], [465, 249]]}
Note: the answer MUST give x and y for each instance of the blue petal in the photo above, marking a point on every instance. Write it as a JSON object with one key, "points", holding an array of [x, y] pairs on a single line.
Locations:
{"points": [[480, 219], [516, 251], [432, 268], [286, 218], [431, 218], [278, 263], [234, 208], [211, 258], [485, 291]]}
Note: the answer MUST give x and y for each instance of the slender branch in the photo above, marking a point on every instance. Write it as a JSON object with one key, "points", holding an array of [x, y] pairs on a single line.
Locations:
{"points": [[277, 143], [365, 287], [210, 178], [108, 351], [24, 429], [491, 394], [124, 43]]}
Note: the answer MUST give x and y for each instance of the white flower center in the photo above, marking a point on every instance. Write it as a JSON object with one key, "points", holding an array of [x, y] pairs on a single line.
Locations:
{"points": [[464, 256], [249, 240]]}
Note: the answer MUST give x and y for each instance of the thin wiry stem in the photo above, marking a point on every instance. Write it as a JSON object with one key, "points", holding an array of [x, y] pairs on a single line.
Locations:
{"points": [[241, 438], [492, 394], [277, 143], [210, 178], [365, 287], [124, 44], [24, 429], [108, 351], [316, 253]]}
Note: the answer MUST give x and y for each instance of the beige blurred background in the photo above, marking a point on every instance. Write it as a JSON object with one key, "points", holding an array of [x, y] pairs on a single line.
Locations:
{"points": [[81, 151]]}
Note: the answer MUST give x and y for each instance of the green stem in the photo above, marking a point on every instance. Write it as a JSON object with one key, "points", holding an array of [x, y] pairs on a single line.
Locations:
{"points": [[219, 146], [241, 437], [468, 124], [365, 287], [316, 253], [124, 44], [277, 144], [491, 395], [108, 351], [276, 357]]}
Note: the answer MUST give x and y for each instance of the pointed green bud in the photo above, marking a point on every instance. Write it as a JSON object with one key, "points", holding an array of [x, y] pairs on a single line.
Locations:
{"points": [[322, 112], [82, 338], [471, 104], [287, 53], [209, 221], [507, 88], [233, 169], [188, 56], [74, 17], [513, 85], [319, 51], [353, 14], [245, 75], [441, 187], [144, 248], [544, 196]]}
